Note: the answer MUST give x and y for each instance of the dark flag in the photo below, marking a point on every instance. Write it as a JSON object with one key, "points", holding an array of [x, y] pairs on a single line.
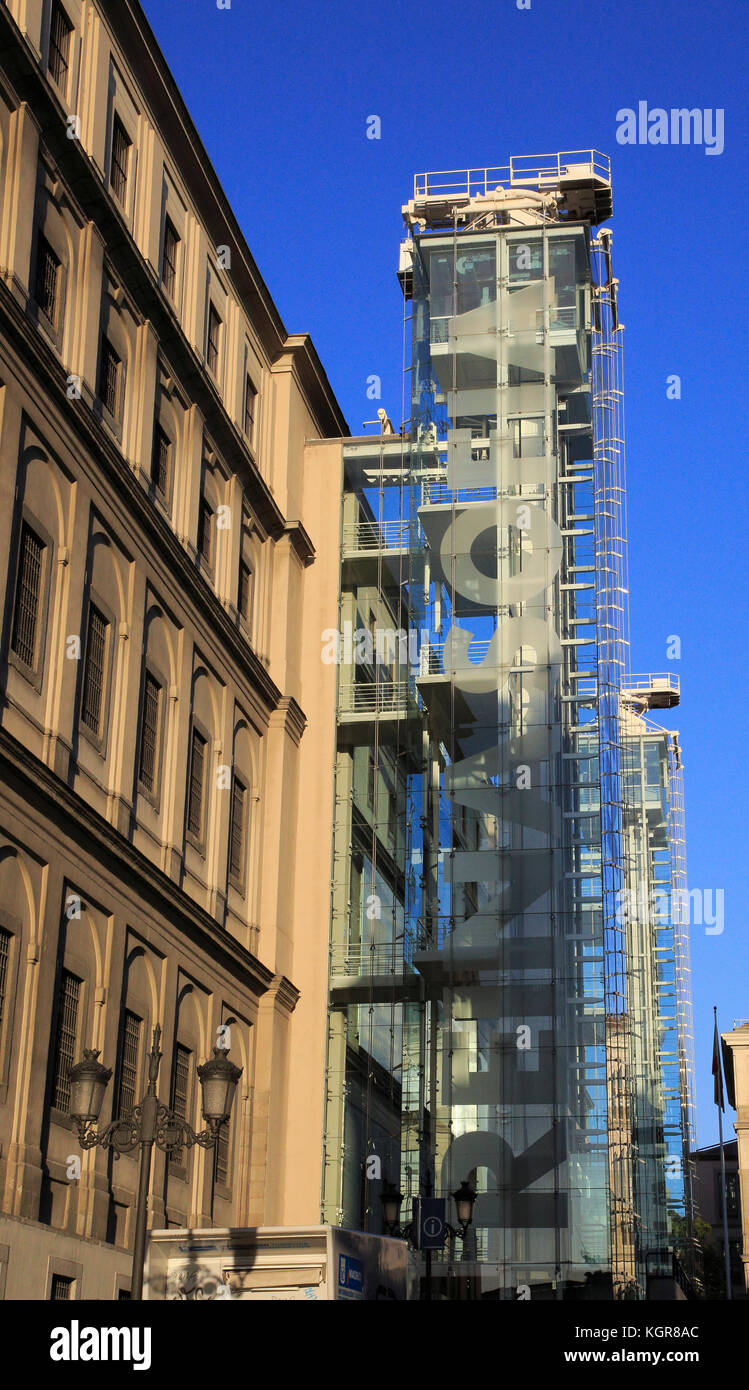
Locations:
{"points": [[717, 1071]]}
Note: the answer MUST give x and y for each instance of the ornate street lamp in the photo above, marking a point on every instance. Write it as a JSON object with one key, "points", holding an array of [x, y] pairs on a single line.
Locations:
{"points": [[149, 1123], [391, 1200], [464, 1199]]}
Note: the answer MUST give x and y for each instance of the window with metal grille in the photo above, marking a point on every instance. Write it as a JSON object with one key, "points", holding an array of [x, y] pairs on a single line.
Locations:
{"points": [[121, 143], [109, 377], [214, 327], [46, 289], [180, 1092], [4, 959], [236, 832], [61, 1288], [92, 705], [149, 735], [244, 600], [169, 258], [28, 594], [59, 46], [128, 1096], [250, 395], [197, 775], [221, 1168], [205, 531], [160, 460], [66, 1039]]}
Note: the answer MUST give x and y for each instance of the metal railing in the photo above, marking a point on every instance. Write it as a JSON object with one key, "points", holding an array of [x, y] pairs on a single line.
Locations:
{"points": [[667, 681], [375, 697], [542, 170], [374, 535]]}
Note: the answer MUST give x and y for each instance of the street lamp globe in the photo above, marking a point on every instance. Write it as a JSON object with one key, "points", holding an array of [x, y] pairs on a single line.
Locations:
{"points": [[218, 1081], [88, 1082], [464, 1200], [391, 1200]]}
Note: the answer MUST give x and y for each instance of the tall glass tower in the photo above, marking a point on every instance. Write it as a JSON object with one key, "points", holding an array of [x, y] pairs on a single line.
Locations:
{"points": [[508, 1003]]}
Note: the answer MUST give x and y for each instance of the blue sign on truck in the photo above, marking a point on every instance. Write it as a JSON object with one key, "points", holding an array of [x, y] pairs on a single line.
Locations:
{"points": [[350, 1277]]}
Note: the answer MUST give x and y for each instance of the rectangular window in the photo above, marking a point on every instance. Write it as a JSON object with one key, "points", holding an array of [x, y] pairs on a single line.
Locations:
{"points": [[221, 1170], [121, 143], [244, 599], [109, 377], [169, 259], [205, 532], [59, 46], [181, 1091], [149, 736], [94, 677], [197, 776], [61, 1288], [46, 288], [28, 596], [128, 1096], [214, 327], [250, 396], [237, 830], [4, 960], [160, 461], [66, 1040]]}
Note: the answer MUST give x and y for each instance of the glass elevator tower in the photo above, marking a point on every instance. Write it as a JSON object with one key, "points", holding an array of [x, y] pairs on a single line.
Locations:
{"points": [[487, 1018]]}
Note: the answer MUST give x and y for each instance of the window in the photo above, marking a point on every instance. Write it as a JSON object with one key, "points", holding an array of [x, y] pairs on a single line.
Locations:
{"points": [[211, 353], [121, 143], [149, 734], [244, 597], [109, 377], [205, 531], [250, 396], [128, 1096], [197, 778], [221, 1167], [59, 47], [237, 830], [47, 286], [66, 1039], [94, 676], [169, 259], [4, 961], [161, 460], [180, 1092], [123, 1295], [61, 1288], [25, 632]]}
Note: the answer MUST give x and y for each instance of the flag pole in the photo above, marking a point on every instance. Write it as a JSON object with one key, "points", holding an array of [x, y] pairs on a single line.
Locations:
{"points": [[719, 1102]]}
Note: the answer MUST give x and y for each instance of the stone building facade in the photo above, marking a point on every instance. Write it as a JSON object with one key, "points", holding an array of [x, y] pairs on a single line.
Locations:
{"points": [[169, 526]]}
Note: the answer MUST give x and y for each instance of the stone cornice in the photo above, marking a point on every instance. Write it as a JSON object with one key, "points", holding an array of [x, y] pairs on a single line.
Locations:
{"points": [[300, 540], [37, 784], [285, 993], [291, 717]]}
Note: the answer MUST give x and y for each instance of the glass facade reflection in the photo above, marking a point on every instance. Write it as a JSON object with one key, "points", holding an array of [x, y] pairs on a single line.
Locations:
{"points": [[487, 1018]]}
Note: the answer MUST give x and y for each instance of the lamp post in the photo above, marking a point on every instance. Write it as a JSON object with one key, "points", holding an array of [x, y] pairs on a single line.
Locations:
{"points": [[149, 1123], [392, 1199]]}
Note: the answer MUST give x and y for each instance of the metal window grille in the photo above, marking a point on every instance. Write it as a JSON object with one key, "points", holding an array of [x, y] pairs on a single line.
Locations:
{"points": [[96, 659], [249, 407], [4, 959], [180, 1092], [205, 531], [61, 1288], [236, 836], [130, 1057], [28, 593], [47, 279], [109, 377], [120, 155], [197, 773], [214, 324], [66, 1040], [149, 738], [59, 46], [160, 460], [245, 590], [169, 260]]}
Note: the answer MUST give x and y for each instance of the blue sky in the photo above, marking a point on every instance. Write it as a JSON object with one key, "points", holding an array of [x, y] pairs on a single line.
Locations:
{"points": [[281, 95]]}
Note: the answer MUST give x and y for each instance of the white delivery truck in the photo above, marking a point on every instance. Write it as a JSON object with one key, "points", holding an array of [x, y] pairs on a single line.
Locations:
{"points": [[312, 1263]]}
